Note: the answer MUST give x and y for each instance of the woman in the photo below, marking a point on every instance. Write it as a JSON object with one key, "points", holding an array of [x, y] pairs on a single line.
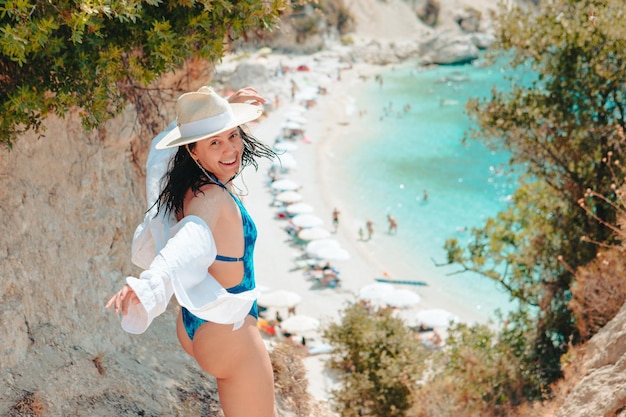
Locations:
{"points": [[196, 243]]}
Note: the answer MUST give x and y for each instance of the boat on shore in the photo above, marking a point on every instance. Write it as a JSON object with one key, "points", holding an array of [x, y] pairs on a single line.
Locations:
{"points": [[401, 281]]}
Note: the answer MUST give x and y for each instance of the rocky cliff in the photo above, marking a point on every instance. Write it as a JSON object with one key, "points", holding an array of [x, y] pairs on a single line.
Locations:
{"points": [[70, 201]]}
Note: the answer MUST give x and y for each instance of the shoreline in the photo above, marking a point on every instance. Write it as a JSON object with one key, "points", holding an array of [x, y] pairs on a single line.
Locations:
{"points": [[474, 298], [379, 253]]}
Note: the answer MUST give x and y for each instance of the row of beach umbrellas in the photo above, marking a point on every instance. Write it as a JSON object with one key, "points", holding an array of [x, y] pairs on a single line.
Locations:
{"points": [[310, 224], [386, 294], [382, 293], [301, 215], [310, 227], [378, 292]]}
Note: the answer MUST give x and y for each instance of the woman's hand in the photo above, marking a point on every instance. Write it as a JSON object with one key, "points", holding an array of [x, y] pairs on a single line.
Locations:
{"points": [[247, 95], [122, 300]]}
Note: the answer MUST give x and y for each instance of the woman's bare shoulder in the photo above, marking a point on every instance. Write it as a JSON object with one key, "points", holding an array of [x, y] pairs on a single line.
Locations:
{"points": [[208, 203]]}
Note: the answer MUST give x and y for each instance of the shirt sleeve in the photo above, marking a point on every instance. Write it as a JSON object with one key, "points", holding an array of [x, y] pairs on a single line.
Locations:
{"points": [[186, 256], [154, 290]]}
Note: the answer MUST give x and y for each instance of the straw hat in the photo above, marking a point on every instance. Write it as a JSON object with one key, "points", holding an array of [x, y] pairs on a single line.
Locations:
{"points": [[202, 114]]}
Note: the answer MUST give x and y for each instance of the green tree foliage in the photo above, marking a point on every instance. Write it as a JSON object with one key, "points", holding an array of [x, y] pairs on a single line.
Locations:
{"points": [[379, 361], [91, 53], [557, 129]]}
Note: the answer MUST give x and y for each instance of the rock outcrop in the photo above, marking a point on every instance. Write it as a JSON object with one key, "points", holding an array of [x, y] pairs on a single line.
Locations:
{"points": [[70, 202], [601, 375], [447, 48], [449, 35]]}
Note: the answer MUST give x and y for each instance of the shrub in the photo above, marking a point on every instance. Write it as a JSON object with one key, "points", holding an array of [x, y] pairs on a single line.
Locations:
{"points": [[379, 361], [347, 40], [599, 292]]}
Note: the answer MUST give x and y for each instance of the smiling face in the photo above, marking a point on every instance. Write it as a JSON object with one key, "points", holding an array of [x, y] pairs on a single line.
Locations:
{"points": [[220, 154]]}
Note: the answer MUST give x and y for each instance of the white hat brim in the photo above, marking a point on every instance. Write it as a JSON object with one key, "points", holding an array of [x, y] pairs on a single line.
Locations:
{"points": [[243, 113]]}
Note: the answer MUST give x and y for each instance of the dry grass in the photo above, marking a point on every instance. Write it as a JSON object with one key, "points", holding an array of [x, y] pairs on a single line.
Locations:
{"points": [[97, 361], [599, 289], [198, 400], [28, 405], [291, 384], [599, 292], [290, 380]]}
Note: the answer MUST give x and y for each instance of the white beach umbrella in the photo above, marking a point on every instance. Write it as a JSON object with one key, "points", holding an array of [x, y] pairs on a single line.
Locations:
{"points": [[299, 208], [307, 93], [296, 119], [285, 184], [285, 146], [375, 291], [333, 254], [299, 324], [321, 348], [297, 109], [307, 220], [314, 246], [313, 233], [436, 317], [401, 298], [294, 111], [288, 197], [285, 160], [279, 298], [291, 125]]}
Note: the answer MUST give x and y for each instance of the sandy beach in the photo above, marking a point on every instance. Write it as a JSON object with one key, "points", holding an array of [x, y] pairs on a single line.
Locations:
{"points": [[328, 120]]}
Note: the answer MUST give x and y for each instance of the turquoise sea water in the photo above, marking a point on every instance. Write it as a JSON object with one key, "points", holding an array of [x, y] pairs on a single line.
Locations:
{"points": [[402, 152]]}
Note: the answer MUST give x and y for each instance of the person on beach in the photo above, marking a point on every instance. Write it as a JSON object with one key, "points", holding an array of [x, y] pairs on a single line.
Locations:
{"points": [[335, 218], [369, 225], [197, 242], [294, 90], [393, 225]]}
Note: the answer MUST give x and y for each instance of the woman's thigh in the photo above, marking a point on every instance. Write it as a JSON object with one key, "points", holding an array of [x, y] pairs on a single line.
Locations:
{"points": [[240, 363], [222, 351]]}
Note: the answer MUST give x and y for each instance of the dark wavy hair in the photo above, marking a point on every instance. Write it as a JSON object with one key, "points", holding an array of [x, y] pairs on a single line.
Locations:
{"points": [[184, 174]]}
